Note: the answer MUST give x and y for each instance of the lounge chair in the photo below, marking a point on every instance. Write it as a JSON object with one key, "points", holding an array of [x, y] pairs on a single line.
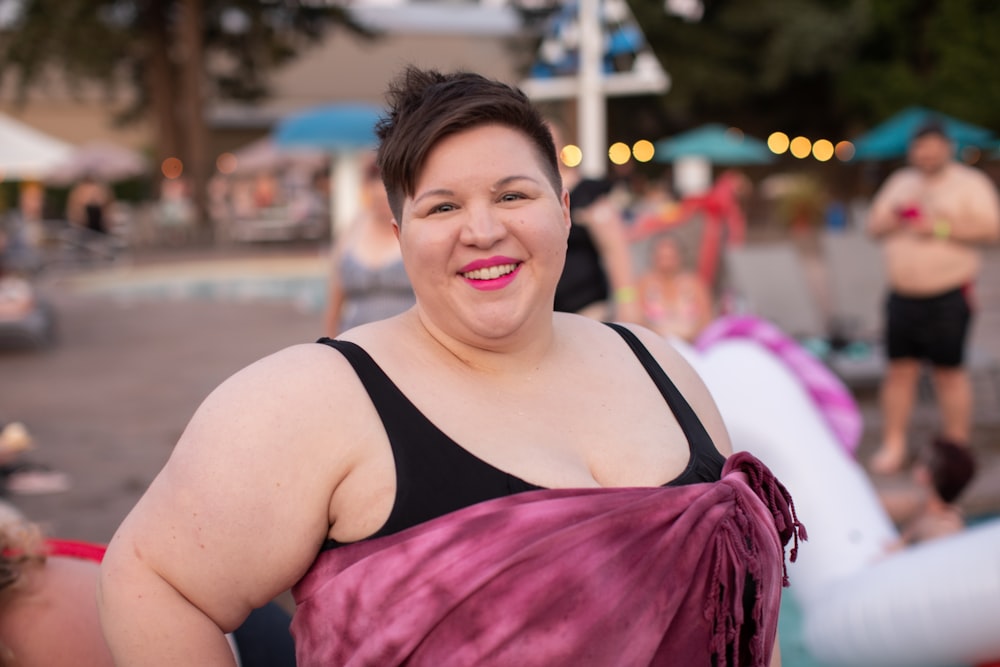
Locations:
{"points": [[856, 279], [772, 281]]}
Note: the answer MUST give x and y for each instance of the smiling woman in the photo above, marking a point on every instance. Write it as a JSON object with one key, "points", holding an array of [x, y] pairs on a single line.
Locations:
{"points": [[503, 236], [478, 480]]}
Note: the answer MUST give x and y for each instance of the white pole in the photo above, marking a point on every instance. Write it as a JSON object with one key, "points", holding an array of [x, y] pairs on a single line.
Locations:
{"points": [[591, 109], [345, 190]]}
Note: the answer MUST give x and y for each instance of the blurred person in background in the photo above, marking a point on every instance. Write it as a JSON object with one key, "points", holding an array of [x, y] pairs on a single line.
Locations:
{"points": [[598, 279], [88, 205], [368, 281], [942, 472], [48, 606], [48, 611], [675, 301], [930, 216]]}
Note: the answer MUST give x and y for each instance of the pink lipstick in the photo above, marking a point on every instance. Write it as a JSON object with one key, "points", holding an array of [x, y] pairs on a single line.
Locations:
{"points": [[492, 273]]}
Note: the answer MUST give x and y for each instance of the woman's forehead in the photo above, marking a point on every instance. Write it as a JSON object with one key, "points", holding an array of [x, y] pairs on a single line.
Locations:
{"points": [[484, 150]]}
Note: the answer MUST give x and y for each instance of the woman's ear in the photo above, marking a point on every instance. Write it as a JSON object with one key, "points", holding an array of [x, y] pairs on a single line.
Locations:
{"points": [[395, 228]]}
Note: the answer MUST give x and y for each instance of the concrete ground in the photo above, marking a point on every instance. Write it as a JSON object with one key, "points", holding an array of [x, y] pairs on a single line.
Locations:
{"points": [[107, 402]]}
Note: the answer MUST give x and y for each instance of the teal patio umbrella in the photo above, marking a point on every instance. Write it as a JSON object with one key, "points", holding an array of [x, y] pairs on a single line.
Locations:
{"points": [[714, 143], [889, 139], [347, 126], [345, 130]]}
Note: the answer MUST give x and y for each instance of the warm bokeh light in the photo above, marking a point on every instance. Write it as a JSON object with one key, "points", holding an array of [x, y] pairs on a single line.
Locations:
{"points": [[172, 168], [844, 151], [822, 150], [619, 153], [571, 155], [226, 163], [800, 147], [643, 150], [778, 142]]}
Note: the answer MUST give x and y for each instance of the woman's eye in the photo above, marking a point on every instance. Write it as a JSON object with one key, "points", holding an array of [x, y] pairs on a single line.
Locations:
{"points": [[511, 196], [442, 208]]}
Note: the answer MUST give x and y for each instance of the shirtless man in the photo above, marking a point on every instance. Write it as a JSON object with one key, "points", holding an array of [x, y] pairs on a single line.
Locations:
{"points": [[930, 216]]}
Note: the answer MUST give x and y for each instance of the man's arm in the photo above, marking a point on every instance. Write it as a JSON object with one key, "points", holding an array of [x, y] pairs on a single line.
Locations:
{"points": [[604, 220], [235, 517], [884, 216], [979, 219]]}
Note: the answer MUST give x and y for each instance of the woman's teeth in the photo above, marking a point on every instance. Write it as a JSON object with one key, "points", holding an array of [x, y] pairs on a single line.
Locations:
{"points": [[491, 273]]}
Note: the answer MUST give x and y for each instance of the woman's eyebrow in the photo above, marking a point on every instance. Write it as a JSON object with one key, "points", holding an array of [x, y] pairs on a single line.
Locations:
{"points": [[507, 180], [437, 192]]}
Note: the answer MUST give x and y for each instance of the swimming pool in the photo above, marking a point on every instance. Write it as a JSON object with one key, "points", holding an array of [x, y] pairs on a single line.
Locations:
{"points": [[300, 281]]}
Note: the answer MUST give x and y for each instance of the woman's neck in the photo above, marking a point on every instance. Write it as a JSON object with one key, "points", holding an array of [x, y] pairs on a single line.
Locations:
{"points": [[523, 351]]}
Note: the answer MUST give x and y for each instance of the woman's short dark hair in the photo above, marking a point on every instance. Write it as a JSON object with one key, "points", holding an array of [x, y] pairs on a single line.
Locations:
{"points": [[425, 106]]}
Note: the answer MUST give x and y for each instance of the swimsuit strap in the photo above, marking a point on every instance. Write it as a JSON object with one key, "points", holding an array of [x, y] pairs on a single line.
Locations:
{"points": [[704, 455], [434, 474]]}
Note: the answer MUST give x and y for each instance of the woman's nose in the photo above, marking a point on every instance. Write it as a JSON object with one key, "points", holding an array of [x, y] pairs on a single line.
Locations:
{"points": [[482, 227]]}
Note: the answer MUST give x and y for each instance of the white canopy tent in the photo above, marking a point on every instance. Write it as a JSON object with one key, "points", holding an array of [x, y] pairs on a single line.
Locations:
{"points": [[26, 153]]}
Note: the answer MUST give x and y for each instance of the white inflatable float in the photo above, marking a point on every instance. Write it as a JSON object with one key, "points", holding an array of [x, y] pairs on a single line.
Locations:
{"points": [[933, 605]]}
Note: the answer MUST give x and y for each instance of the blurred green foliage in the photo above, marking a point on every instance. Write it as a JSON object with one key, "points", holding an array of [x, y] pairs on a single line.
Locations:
{"points": [[116, 42], [826, 67]]}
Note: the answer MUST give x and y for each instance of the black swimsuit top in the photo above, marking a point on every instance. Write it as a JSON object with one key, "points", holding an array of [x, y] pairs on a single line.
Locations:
{"points": [[435, 475]]}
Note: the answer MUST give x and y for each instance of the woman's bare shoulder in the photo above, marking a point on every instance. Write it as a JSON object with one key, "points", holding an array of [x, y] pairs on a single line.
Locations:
{"points": [[296, 396], [296, 371]]}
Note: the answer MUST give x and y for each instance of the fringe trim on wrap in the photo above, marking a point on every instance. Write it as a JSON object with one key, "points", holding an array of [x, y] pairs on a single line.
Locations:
{"points": [[727, 605]]}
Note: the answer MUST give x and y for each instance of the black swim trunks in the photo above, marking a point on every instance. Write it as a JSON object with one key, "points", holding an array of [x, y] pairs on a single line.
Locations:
{"points": [[932, 328]]}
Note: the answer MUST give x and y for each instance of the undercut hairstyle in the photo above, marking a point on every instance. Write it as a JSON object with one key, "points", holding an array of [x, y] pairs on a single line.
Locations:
{"points": [[426, 106]]}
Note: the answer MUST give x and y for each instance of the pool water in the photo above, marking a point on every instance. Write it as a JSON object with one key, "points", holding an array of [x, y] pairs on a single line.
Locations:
{"points": [[308, 292]]}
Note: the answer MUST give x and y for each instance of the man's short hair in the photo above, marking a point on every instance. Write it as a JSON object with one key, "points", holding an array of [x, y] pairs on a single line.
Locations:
{"points": [[951, 466], [930, 125]]}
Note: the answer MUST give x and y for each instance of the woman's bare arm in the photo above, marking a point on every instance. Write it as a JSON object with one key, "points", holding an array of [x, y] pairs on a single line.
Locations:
{"points": [[235, 517]]}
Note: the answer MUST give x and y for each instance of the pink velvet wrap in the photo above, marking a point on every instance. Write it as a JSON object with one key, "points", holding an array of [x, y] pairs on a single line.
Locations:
{"points": [[687, 575]]}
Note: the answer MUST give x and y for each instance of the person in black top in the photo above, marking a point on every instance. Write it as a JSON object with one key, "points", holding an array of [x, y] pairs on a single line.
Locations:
{"points": [[478, 398], [88, 205], [598, 279]]}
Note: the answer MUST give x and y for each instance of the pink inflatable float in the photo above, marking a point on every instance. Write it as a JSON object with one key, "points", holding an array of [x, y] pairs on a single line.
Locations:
{"points": [[932, 605]]}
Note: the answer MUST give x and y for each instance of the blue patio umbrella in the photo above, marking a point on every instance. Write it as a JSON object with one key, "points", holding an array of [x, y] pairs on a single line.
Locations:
{"points": [[889, 139], [332, 127], [716, 144], [345, 130]]}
